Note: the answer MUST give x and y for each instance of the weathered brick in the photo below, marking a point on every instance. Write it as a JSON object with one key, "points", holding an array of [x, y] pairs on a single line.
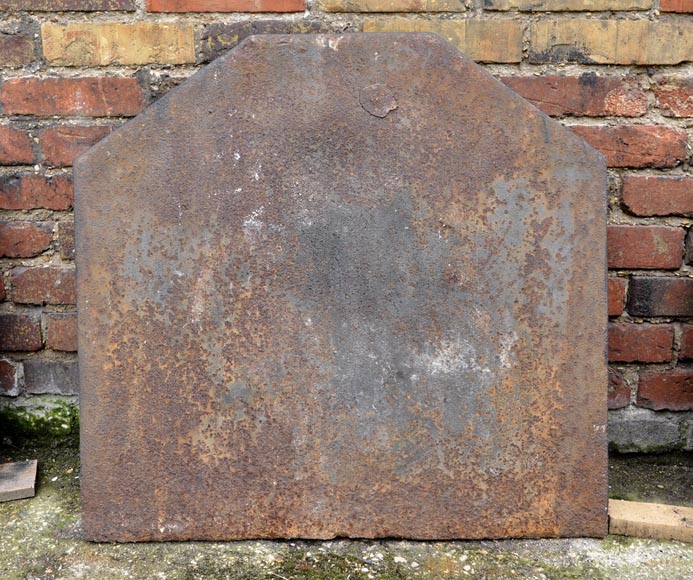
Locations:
{"points": [[61, 145], [16, 49], [61, 331], [95, 44], [15, 147], [68, 5], [660, 296], [676, 5], [642, 430], [675, 97], [617, 295], [35, 191], [51, 377], [48, 285], [618, 395], [567, 5], [480, 40], [611, 41], [218, 37], [686, 350], [9, 385], [20, 332], [393, 5], [587, 95], [642, 247], [636, 145], [671, 390], [651, 343], [66, 240], [24, 239], [225, 5], [86, 96], [658, 195]]}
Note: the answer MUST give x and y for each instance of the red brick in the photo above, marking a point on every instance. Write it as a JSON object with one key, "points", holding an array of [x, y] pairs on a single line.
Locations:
{"points": [[20, 332], [24, 239], [88, 97], [641, 247], [47, 285], [3, 294], [61, 331], [660, 296], [686, 350], [15, 147], [8, 378], [676, 5], [66, 240], [587, 95], [675, 97], [16, 49], [62, 145], [619, 394], [658, 196], [668, 390], [225, 5], [68, 5], [651, 343], [636, 145], [617, 295], [35, 191]]}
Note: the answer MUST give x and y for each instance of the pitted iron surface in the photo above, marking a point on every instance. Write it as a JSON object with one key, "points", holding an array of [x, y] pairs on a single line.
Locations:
{"points": [[342, 286]]}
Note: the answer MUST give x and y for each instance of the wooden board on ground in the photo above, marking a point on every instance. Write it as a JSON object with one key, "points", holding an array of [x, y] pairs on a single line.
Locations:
{"points": [[651, 520], [17, 480]]}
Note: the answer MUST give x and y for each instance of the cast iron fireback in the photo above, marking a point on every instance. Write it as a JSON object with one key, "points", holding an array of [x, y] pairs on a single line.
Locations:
{"points": [[342, 286]]}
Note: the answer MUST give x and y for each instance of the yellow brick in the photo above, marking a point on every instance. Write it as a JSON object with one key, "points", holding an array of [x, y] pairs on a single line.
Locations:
{"points": [[611, 41], [104, 44], [480, 40], [392, 5], [567, 5]]}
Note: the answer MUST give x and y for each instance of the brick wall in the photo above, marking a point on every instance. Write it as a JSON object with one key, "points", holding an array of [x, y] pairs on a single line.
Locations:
{"points": [[618, 72]]}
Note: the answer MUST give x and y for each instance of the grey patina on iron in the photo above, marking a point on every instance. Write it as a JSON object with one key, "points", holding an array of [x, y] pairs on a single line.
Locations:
{"points": [[342, 286]]}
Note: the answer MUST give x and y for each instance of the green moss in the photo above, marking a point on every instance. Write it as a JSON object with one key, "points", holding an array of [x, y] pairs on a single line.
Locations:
{"points": [[47, 419], [296, 565], [616, 542]]}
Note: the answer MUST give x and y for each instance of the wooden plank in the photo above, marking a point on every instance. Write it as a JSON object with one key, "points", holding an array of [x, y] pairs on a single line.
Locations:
{"points": [[651, 520], [17, 480]]}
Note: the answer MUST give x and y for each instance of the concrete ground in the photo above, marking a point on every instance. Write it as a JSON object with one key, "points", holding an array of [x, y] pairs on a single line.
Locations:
{"points": [[40, 539]]}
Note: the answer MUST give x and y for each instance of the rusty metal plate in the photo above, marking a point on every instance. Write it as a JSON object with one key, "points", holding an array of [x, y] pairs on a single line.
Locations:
{"points": [[342, 286]]}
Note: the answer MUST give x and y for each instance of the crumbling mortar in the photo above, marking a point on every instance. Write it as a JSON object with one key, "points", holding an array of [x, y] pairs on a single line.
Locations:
{"points": [[48, 258], [621, 217], [630, 378]]}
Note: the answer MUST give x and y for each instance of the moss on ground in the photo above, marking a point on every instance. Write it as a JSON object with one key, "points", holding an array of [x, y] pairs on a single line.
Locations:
{"points": [[47, 420], [40, 539]]}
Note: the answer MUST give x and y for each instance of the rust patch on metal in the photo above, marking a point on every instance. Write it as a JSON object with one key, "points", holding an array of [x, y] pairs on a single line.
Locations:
{"points": [[377, 100], [342, 286]]}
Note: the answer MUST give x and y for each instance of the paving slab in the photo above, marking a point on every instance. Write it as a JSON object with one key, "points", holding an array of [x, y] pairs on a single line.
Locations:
{"points": [[342, 286]]}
